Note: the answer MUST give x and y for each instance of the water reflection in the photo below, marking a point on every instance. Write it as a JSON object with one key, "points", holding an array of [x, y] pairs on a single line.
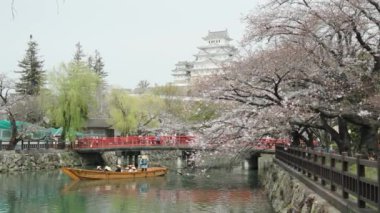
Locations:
{"points": [[234, 190], [113, 186]]}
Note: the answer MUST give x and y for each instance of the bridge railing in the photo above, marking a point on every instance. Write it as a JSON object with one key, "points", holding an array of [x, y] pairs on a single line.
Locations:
{"points": [[131, 141], [270, 143], [356, 177], [169, 141]]}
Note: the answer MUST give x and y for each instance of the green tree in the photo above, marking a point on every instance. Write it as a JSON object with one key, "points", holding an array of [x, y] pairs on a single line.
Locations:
{"points": [[71, 91], [200, 111], [98, 65], [32, 73], [121, 107], [142, 87], [78, 56], [169, 91], [172, 96], [132, 114], [150, 108], [182, 113]]}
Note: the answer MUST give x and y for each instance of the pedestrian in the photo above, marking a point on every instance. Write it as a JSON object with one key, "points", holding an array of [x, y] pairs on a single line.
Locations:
{"points": [[158, 138], [144, 163]]}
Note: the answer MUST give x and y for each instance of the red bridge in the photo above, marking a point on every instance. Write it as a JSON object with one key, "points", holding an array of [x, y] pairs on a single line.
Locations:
{"points": [[134, 143]]}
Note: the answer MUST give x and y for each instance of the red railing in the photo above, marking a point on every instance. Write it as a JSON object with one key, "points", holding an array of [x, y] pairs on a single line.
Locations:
{"points": [[270, 143], [170, 141], [131, 141]]}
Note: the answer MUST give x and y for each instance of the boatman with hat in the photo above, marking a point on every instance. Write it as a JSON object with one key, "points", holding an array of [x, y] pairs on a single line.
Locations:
{"points": [[144, 162]]}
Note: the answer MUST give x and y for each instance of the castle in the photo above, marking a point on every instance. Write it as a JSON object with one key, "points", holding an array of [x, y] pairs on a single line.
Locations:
{"points": [[209, 59]]}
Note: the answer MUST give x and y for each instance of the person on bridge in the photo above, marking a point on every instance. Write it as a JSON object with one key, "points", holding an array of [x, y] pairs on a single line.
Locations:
{"points": [[158, 138], [144, 163]]}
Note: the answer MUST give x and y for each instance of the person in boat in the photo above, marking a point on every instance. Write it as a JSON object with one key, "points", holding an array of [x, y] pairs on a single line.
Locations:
{"points": [[144, 163], [130, 168], [118, 168]]}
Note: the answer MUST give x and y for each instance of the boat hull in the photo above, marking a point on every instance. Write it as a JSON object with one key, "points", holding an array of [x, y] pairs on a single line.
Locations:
{"points": [[85, 174]]}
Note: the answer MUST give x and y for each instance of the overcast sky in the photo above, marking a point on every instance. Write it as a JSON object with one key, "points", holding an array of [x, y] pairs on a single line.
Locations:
{"points": [[138, 40]]}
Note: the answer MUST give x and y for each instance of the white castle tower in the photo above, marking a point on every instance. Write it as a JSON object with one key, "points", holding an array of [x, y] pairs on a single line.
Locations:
{"points": [[182, 73], [209, 60]]}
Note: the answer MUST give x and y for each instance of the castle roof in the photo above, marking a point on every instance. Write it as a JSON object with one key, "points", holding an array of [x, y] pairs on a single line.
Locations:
{"points": [[183, 63], [217, 35], [224, 47]]}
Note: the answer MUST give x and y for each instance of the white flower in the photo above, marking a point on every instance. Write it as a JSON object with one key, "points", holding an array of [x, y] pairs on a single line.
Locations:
{"points": [[363, 113]]}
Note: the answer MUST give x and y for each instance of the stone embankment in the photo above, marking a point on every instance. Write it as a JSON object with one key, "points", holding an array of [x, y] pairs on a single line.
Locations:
{"points": [[40, 159], [287, 194], [11, 161], [33, 160]]}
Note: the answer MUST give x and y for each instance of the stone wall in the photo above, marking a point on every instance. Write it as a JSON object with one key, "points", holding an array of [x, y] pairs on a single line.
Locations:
{"points": [[159, 155], [287, 194], [156, 157], [109, 158], [12, 161]]}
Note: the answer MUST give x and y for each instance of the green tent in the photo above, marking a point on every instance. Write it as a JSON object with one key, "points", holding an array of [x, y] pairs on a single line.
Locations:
{"points": [[55, 131], [58, 132], [5, 128], [5, 124], [39, 132]]}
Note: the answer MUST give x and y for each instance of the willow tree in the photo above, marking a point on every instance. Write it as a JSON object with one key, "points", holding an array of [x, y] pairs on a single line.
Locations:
{"points": [[71, 91], [133, 114]]}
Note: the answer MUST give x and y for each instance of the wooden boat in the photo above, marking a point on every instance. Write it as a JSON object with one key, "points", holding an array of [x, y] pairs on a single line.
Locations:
{"points": [[86, 174]]}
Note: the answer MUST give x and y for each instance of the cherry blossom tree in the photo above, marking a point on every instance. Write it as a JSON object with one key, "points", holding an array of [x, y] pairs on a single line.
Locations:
{"points": [[343, 37], [10, 102], [318, 68]]}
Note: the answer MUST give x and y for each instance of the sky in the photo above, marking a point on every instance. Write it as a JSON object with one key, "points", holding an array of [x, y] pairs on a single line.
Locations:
{"points": [[138, 40]]}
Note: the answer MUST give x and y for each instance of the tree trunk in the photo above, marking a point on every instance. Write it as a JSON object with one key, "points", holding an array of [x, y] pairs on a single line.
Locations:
{"points": [[62, 139], [295, 138], [345, 138], [335, 136], [368, 139], [13, 141], [376, 68]]}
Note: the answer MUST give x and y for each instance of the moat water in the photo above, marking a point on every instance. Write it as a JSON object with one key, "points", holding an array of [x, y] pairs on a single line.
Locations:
{"points": [[214, 190]]}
